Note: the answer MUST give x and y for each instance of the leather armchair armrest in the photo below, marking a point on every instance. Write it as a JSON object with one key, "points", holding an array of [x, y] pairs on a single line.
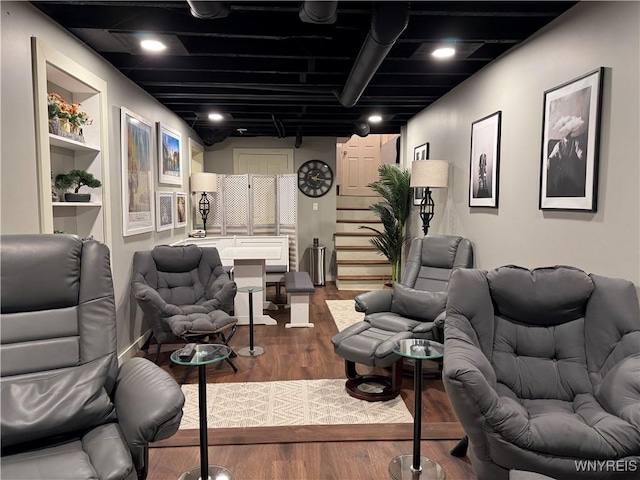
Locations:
{"points": [[375, 301], [148, 403], [438, 327]]}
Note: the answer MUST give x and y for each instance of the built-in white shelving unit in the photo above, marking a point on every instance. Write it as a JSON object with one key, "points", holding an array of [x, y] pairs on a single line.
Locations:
{"points": [[56, 73]]}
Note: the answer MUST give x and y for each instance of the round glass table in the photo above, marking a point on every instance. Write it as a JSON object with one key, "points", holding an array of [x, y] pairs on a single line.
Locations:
{"points": [[416, 467], [205, 354], [251, 350]]}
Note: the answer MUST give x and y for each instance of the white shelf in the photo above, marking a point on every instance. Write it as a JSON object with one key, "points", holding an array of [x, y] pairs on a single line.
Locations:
{"points": [[63, 142], [76, 204]]}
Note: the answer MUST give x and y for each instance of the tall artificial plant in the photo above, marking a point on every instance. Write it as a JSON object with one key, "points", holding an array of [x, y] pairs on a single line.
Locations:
{"points": [[394, 187]]}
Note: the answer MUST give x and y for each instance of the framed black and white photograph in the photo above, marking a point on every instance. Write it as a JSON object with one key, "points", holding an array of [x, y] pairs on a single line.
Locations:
{"points": [[169, 155], [570, 144], [180, 216], [421, 152], [137, 174], [484, 163], [164, 211]]}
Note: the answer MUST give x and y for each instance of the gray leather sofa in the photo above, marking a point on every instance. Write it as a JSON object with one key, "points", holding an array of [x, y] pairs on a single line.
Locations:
{"points": [[67, 410], [542, 368], [184, 292], [414, 308]]}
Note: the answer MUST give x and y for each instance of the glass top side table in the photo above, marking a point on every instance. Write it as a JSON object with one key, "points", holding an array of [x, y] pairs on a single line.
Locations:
{"points": [[415, 467], [205, 354], [251, 350]]}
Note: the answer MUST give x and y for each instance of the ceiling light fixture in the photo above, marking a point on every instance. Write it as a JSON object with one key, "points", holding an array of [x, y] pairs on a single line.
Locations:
{"points": [[444, 52], [375, 119], [153, 45], [216, 117]]}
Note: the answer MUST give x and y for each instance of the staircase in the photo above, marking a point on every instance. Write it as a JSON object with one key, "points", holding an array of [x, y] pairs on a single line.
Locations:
{"points": [[359, 264]]}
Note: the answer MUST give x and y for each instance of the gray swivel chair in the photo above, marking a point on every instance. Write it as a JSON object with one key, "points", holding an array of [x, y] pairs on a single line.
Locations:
{"points": [[542, 368], [67, 409], [185, 294], [414, 308]]}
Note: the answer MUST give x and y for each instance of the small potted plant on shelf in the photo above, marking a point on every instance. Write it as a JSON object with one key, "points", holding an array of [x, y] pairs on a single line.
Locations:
{"points": [[66, 119], [76, 179]]}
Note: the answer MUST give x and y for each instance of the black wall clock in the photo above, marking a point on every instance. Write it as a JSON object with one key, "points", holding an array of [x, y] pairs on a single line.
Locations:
{"points": [[315, 178]]}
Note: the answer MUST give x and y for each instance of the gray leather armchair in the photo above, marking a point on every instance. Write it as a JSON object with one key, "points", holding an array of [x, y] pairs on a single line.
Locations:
{"points": [[415, 308], [185, 293], [417, 303], [543, 370], [67, 409]]}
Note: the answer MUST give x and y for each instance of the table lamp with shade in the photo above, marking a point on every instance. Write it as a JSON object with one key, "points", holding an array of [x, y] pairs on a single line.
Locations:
{"points": [[429, 174], [206, 183]]}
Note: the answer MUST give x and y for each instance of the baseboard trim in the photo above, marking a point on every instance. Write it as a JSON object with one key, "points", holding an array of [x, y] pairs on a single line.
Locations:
{"points": [[132, 349]]}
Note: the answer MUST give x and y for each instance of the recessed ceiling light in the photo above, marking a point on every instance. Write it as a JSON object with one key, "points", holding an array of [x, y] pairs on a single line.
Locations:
{"points": [[152, 45], [444, 52], [375, 119], [216, 117]]}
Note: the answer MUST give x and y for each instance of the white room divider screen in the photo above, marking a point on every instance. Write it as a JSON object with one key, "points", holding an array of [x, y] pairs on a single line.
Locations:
{"points": [[253, 204]]}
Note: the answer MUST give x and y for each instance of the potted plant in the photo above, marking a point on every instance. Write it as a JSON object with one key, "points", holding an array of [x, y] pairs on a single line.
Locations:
{"points": [[394, 186], [76, 179]]}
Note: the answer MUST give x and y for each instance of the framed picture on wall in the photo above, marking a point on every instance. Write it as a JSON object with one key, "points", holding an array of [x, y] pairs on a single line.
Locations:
{"points": [[421, 152], [136, 136], [180, 216], [164, 211], [570, 144], [484, 163], [169, 155]]}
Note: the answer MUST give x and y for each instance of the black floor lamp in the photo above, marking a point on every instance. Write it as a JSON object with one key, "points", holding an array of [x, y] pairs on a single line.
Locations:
{"points": [[429, 174], [205, 183]]}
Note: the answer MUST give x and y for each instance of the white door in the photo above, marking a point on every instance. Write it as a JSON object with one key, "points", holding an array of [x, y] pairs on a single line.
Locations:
{"points": [[270, 161], [359, 162]]}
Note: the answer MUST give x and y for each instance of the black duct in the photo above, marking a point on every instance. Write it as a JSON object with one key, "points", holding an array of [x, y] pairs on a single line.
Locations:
{"points": [[318, 12], [388, 21], [362, 129], [208, 10]]}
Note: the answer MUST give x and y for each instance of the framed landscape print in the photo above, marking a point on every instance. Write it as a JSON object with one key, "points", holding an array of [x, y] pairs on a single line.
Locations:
{"points": [[421, 152], [169, 155], [136, 136], [570, 144], [484, 163], [164, 211], [180, 216]]}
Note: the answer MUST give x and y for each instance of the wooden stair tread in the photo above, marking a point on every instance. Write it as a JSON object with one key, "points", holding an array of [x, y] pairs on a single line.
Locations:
{"points": [[363, 277], [359, 221], [362, 262], [355, 234], [355, 247]]}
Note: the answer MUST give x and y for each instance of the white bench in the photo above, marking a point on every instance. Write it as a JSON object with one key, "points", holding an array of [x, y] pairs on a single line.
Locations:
{"points": [[298, 286]]}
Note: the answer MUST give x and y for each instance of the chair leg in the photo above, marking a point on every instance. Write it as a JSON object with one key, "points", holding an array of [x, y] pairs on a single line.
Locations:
{"points": [[391, 386], [460, 450], [158, 347], [235, 369]]}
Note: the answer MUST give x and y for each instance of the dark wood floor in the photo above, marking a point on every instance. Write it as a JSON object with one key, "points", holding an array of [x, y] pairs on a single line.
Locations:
{"points": [[336, 453]]}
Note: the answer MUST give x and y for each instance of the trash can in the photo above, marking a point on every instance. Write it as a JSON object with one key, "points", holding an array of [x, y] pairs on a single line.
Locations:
{"points": [[316, 261]]}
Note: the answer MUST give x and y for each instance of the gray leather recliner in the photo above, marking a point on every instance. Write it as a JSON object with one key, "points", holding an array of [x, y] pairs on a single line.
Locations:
{"points": [[542, 368], [414, 308], [67, 409], [185, 293]]}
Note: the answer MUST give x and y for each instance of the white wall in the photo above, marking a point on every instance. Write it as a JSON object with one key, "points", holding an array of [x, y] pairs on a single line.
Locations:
{"points": [[311, 224], [590, 35], [18, 197]]}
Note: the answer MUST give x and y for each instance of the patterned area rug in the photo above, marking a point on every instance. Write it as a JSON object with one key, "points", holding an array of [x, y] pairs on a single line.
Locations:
{"points": [[287, 403], [344, 313]]}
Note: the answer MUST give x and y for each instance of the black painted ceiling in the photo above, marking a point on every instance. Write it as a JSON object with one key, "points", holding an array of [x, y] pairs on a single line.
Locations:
{"points": [[271, 74]]}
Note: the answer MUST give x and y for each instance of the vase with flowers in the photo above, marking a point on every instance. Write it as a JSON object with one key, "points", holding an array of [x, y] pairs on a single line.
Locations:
{"points": [[66, 119]]}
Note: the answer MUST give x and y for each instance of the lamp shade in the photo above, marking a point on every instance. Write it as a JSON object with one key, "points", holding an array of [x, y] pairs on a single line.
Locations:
{"points": [[430, 173], [204, 182]]}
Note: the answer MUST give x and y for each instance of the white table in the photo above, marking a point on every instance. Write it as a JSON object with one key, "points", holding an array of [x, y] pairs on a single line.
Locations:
{"points": [[249, 270]]}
